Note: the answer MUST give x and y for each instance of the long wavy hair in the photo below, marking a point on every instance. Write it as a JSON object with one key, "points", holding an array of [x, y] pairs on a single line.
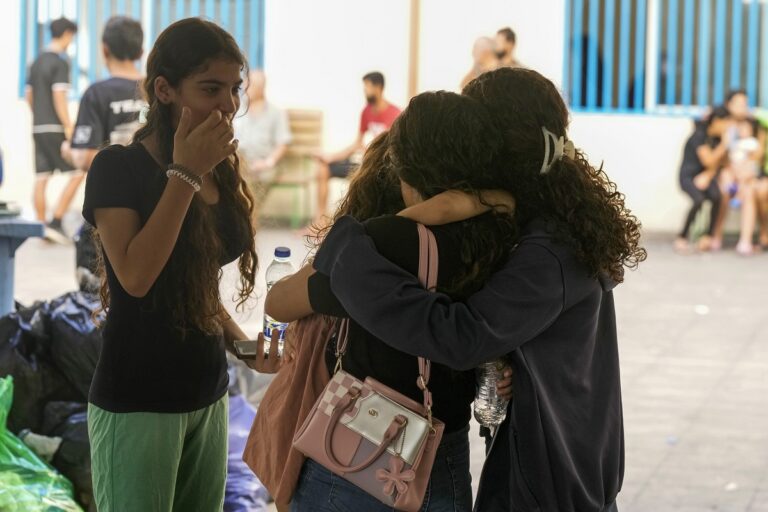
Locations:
{"points": [[374, 188], [444, 141], [582, 206], [188, 286]]}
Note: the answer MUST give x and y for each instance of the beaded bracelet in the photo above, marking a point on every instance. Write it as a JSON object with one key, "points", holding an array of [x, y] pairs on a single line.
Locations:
{"points": [[184, 174]]}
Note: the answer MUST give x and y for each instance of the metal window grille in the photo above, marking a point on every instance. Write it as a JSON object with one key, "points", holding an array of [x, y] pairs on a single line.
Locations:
{"points": [[244, 19], [664, 55]]}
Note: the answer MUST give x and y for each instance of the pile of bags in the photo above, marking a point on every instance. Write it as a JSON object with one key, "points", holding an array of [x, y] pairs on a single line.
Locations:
{"points": [[50, 350], [27, 484]]}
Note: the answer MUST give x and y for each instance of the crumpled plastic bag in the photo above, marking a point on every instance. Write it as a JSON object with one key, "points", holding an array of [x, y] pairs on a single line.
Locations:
{"points": [[27, 484], [69, 421], [244, 492]]}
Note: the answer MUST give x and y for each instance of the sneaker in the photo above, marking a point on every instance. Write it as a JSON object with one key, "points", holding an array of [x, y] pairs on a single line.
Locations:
{"points": [[56, 234]]}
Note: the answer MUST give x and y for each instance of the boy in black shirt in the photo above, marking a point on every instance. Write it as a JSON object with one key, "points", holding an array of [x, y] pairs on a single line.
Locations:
{"points": [[109, 109], [108, 114], [46, 93]]}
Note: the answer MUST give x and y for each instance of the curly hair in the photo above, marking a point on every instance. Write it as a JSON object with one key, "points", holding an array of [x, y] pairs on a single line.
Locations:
{"points": [[193, 270], [444, 141], [582, 205]]}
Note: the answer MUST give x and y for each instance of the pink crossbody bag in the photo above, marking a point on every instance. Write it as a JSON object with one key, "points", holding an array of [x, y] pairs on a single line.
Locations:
{"points": [[369, 434]]}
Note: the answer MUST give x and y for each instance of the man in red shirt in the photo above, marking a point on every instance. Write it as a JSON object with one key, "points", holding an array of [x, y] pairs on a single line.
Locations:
{"points": [[376, 118]]}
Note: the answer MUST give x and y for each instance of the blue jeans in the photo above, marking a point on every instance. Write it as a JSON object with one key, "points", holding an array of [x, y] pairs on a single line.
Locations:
{"points": [[449, 489]]}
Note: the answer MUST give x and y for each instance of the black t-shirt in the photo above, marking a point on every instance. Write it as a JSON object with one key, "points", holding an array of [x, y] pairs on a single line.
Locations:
{"points": [[108, 114], [691, 165], [49, 72], [145, 365], [397, 239]]}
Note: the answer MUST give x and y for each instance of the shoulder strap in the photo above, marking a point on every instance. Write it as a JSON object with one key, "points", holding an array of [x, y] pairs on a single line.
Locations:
{"points": [[428, 266]]}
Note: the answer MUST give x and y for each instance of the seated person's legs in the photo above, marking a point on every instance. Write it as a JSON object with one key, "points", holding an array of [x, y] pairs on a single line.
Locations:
{"points": [[323, 174], [746, 195], [326, 171], [727, 183], [698, 197], [761, 193]]}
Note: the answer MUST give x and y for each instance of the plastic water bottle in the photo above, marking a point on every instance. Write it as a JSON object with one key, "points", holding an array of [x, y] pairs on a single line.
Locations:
{"points": [[490, 408], [274, 330]]}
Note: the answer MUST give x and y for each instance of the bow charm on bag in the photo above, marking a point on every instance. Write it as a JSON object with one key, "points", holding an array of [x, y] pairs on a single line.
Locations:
{"points": [[395, 478]]}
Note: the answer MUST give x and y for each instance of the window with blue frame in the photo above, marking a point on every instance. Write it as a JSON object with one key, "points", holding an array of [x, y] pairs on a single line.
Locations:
{"points": [[244, 19], [661, 56]]}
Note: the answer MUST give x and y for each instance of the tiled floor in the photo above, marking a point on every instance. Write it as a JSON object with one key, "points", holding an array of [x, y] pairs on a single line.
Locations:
{"points": [[694, 353]]}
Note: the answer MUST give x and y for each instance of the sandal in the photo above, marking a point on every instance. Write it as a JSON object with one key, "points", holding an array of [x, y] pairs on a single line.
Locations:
{"points": [[681, 246], [745, 249]]}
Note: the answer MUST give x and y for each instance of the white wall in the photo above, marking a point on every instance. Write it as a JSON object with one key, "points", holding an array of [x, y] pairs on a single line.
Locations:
{"points": [[15, 119], [642, 155], [9, 42], [317, 52], [450, 27]]}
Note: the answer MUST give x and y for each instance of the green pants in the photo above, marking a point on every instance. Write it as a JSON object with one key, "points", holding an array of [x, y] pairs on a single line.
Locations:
{"points": [[153, 462]]}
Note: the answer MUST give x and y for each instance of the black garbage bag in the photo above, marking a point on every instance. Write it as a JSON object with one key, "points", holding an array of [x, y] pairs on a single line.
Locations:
{"points": [[69, 421], [33, 322], [56, 414], [75, 339], [86, 259], [86, 255], [25, 355]]}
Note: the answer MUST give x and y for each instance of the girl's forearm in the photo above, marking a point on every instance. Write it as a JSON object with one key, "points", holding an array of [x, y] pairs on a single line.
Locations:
{"points": [[454, 206]]}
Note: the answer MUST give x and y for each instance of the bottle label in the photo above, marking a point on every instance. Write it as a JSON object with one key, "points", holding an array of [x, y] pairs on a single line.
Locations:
{"points": [[278, 328]]}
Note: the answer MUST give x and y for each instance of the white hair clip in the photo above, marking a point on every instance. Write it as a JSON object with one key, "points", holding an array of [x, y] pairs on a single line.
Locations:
{"points": [[143, 113], [554, 149]]}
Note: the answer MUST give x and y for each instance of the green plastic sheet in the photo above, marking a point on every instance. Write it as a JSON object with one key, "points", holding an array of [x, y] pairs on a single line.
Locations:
{"points": [[27, 484]]}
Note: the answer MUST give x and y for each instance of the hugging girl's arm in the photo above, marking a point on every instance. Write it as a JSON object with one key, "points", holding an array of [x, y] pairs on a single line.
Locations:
{"points": [[454, 206]]}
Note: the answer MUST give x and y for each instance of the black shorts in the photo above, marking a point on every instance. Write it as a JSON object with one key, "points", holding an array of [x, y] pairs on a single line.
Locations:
{"points": [[342, 168], [48, 153]]}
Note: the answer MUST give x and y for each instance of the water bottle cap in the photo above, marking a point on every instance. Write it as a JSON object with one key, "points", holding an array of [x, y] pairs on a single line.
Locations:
{"points": [[282, 252]]}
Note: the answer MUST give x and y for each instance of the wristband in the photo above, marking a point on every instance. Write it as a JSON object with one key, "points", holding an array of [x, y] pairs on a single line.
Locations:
{"points": [[184, 174]]}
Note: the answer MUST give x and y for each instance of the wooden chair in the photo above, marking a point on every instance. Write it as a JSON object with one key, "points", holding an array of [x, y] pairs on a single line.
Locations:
{"points": [[296, 170]]}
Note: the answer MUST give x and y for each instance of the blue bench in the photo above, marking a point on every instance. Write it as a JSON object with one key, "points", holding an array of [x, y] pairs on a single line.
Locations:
{"points": [[13, 233]]}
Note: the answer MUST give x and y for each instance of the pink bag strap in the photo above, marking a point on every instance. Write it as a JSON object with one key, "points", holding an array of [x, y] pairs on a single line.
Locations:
{"points": [[342, 338], [428, 265]]}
